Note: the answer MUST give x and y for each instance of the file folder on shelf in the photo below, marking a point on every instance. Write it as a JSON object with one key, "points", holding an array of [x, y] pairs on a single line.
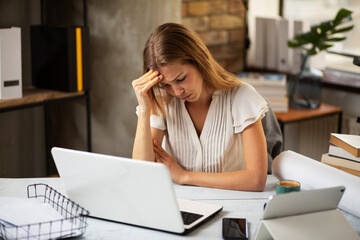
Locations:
{"points": [[59, 58], [10, 63]]}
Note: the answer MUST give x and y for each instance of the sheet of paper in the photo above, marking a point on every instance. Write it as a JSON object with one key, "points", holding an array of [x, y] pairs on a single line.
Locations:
{"points": [[22, 211], [198, 193]]}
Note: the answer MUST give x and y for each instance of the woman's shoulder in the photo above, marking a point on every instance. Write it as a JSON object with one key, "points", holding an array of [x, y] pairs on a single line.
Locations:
{"points": [[244, 91], [247, 105]]}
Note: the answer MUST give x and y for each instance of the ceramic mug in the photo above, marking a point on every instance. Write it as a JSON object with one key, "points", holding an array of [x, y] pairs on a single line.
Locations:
{"points": [[285, 186]]}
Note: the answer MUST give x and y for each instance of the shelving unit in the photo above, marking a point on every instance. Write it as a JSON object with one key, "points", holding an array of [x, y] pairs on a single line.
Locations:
{"points": [[35, 97]]}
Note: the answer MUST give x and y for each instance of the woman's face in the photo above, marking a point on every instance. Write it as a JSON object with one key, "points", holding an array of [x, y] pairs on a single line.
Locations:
{"points": [[182, 80]]}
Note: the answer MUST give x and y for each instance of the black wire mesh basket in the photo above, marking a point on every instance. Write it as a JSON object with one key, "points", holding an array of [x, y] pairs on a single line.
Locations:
{"points": [[73, 220]]}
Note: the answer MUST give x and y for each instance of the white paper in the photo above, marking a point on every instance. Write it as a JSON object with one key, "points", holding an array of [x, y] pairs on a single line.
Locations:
{"points": [[198, 193], [314, 175], [22, 212]]}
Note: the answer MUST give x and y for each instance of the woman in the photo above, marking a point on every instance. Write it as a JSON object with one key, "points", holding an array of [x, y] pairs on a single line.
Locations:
{"points": [[210, 120]]}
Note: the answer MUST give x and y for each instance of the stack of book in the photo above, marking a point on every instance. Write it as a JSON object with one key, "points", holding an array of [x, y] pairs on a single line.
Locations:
{"points": [[344, 153], [272, 86]]}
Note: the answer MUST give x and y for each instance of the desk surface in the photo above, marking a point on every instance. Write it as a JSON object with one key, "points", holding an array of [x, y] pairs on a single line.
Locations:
{"points": [[33, 95], [297, 114], [236, 204]]}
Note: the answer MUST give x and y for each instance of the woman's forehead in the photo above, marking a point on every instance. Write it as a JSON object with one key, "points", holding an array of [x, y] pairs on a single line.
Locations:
{"points": [[172, 71]]}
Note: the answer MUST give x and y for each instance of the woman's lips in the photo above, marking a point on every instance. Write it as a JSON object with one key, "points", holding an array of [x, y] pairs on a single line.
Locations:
{"points": [[186, 97]]}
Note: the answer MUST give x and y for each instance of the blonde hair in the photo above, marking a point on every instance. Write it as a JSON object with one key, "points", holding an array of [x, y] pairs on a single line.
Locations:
{"points": [[172, 42]]}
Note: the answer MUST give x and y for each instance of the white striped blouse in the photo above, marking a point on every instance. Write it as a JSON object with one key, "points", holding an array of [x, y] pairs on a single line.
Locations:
{"points": [[219, 147]]}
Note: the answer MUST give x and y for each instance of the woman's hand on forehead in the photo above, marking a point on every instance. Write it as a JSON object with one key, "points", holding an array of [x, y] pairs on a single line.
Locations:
{"points": [[143, 85]]}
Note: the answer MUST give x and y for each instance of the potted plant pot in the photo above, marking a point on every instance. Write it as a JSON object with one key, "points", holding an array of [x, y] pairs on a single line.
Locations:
{"points": [[305, 87]]}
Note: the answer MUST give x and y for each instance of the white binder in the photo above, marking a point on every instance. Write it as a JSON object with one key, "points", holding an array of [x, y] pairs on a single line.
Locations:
{"points": [[283, 64], [260, 44], [296, 27], [10, 63], [271, 40], [309, 215]]}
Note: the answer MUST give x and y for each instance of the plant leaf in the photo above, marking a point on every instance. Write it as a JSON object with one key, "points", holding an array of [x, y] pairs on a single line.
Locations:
{"points": [[292, 44], [318, 37], [338, 39], [309, 37], [324, 46], [341, 15], [340, 30], [326, 26], [312, 51]]}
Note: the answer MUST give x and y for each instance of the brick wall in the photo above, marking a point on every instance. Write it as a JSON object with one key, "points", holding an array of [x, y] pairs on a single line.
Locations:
{"points": [[221, 25]]}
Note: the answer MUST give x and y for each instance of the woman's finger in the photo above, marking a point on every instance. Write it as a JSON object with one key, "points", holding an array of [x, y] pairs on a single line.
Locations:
{"points": [[158, 148], [148, 73], [158, 158], [151, 83], [141, 79], [151, 76], [158, 151], [143, 87], [145, 83], [162, 156]]}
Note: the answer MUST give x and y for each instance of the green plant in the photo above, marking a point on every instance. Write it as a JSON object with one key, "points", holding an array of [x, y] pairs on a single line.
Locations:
{"points": [[322, 36]]}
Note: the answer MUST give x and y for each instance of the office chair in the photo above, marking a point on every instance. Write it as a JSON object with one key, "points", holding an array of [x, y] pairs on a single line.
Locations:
{"points": [[274, 136]]}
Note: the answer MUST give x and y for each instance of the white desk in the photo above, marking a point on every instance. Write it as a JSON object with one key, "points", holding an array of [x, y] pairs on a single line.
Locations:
{"points": [[236, 204]]}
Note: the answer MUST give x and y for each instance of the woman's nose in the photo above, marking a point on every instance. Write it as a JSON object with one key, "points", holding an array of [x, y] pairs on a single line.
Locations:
{"points": [[178, 91]]}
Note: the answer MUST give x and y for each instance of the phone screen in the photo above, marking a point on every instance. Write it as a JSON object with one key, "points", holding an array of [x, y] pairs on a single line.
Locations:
{"points": [[235, 228]]}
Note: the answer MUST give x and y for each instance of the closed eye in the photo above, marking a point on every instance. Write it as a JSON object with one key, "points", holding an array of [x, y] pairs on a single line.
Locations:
{"points": [[180, 80], [165, 85]]}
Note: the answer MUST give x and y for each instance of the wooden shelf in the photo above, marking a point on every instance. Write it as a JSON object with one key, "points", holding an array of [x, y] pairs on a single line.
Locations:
{"points": [[33, 96], [297, 115]]}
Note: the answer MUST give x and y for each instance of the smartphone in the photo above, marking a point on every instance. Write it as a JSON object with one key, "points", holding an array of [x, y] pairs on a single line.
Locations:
{"points": [[235, 228]]}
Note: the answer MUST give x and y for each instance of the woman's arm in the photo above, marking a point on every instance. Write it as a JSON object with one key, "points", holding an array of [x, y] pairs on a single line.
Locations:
{"points": [[252, 178], [143, 147]]}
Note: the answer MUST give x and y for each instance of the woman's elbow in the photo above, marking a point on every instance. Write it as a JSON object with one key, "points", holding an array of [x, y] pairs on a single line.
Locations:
{"points": [[259, 183], [256, 183], [260, 187]]}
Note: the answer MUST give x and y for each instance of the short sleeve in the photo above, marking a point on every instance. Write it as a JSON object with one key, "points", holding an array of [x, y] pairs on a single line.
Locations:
{"points": [[247, 107], [156, 121]]}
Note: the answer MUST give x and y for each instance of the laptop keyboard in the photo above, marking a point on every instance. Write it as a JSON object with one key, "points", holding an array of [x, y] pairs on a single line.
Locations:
{"points": [[189, 218]]}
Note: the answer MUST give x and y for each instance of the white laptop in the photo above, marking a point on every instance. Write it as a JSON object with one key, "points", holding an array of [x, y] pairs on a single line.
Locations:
{"points": [[295, 203], [129, 191]]}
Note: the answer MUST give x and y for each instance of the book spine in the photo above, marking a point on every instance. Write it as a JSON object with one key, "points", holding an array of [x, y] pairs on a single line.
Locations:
{"points": [[339, 152], [351, 171], [325, 158], [72, 60], [79, 59], [86, 58], [338, 142]]}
